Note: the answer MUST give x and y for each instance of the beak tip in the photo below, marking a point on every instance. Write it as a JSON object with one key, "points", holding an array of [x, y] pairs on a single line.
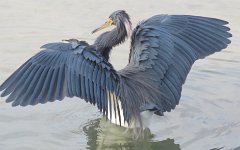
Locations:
{"points": [[106, 24], [94, 31]]}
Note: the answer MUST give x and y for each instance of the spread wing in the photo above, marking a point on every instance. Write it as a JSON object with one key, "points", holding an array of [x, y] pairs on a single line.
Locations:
{"points": [[163, 49], [58, 71]]}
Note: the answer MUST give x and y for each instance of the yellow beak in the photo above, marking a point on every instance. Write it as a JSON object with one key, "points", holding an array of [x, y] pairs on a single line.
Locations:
{"points": [[108, 23]]}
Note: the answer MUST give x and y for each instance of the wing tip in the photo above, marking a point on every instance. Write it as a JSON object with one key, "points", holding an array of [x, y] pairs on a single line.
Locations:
{"points": [[4, 93]]}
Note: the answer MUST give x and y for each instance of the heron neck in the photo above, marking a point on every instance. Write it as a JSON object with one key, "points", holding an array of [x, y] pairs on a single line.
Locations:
{"points": [[106, 41]]}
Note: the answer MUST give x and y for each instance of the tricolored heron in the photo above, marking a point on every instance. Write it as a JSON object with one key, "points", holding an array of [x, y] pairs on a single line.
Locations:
{"points": [[163, 49]]}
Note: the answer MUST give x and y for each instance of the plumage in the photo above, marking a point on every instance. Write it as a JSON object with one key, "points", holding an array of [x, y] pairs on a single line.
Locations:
{"points": [[163, 50]]}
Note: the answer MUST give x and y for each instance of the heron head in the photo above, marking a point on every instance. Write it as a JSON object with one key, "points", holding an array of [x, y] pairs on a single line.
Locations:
{"points": [[116, 18]]}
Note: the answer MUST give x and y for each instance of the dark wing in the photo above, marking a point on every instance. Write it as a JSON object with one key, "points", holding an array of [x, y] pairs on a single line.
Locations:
{"points": [[59, 71], [163, 49]]}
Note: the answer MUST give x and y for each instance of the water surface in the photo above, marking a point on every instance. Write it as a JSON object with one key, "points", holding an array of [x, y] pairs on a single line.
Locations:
{"points": [[208, 114]]}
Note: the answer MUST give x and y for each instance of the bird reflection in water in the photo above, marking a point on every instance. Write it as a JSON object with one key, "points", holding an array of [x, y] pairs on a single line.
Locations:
{"points": [[102, 135]]}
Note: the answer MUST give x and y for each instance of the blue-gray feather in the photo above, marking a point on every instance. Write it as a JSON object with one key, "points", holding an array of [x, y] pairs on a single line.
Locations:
{"points": [[163, 49], [58, 71]]}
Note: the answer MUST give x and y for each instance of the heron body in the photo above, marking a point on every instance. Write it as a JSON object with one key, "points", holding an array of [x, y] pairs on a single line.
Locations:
{"points": [[163, 49]]}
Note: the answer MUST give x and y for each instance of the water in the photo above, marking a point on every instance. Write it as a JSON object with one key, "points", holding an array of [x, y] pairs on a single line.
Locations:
{"points": [[208, 114]]}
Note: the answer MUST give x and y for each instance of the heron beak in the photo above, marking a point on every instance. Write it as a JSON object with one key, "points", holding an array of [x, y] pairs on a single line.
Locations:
{"points": [[108, 23]]}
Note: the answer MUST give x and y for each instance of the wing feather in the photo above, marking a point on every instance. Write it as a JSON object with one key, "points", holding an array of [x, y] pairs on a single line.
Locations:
{"points": [[29, 92], [163, 49], [59, 71]]}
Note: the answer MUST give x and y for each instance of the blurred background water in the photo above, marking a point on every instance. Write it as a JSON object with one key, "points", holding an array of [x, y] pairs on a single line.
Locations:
{"points": [[209, 110]]}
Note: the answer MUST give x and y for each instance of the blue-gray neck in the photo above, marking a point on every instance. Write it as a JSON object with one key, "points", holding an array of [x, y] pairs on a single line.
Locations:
{"points": [[106, 41]]}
